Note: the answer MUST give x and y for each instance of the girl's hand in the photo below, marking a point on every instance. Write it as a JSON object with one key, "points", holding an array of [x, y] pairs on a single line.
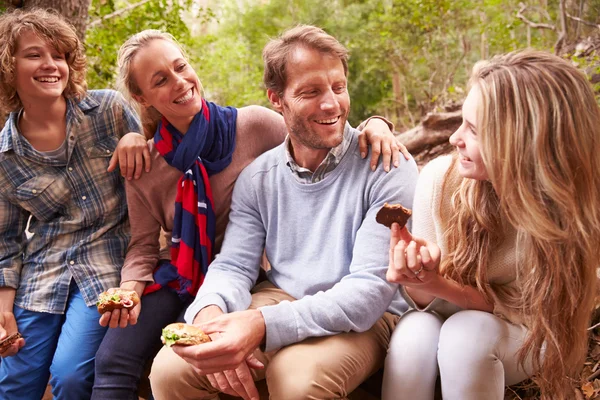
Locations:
{"points": [[413, 261], [377, 133], [131, 155]]}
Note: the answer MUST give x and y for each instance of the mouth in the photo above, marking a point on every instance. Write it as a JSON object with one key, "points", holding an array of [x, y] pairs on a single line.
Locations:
{"points": [[47, 79], [464, 158], [330, 121], [187, 97]]}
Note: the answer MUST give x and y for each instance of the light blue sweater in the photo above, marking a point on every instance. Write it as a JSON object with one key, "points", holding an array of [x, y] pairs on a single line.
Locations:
{"points": [[322, 241]]}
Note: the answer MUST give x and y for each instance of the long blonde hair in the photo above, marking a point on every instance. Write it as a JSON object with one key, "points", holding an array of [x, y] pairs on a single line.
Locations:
{"points": [[126, 81], [539, 131]]}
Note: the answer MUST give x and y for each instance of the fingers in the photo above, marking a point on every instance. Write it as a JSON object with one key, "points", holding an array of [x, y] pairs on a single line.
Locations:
{"points": [[139, 166], [413, 258], [395, 237], [222, 384], [134, 314], [118, 318], [122, 162], [247, 381], [403, 149], [105, 319], [386, 155], [131, 159], [375, 153], [147, 159], [14, 348], [395, 154], [362, 145], [430, 256], [254, 363], [114, 161]]}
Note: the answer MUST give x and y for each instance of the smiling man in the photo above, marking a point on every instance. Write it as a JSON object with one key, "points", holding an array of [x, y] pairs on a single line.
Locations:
{"points": [[321, 322]]}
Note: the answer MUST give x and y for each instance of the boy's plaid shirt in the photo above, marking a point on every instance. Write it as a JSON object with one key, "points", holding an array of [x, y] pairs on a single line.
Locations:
{"points": [[78, 209]]}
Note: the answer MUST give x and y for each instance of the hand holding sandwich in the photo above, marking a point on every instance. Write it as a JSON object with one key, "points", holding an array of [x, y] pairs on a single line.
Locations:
{"points": [[8, 324], [233, 379], [122, 315]]}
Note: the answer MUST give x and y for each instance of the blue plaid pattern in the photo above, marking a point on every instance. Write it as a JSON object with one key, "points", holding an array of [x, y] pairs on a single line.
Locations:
{"points": [[78, 210]]}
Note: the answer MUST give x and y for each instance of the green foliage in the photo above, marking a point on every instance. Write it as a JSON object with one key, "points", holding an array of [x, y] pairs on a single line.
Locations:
{"points": [[408, 57], [103, 40]]}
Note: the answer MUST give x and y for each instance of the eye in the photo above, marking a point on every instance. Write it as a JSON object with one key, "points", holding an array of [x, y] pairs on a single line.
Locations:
{"points": [[58, 56], [32, 55], [309, 93], [181, 67], [160, 81], [339, 89]]}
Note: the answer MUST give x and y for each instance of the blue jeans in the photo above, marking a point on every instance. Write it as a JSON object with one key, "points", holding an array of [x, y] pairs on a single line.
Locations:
{"points": [[124, 352], [57, 344]]}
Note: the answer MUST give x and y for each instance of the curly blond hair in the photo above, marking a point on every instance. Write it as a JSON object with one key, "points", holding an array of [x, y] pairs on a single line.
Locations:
{"points": [[539, 131], [57, 32]]}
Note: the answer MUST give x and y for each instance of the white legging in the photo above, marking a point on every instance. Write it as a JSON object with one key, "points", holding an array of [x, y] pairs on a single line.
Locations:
{"points": [[476, 353]]}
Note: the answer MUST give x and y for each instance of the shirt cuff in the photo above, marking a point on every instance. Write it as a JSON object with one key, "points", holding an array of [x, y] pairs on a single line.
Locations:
{"points": [[211, 299], [387, 121], [9, 278], [280, 325]]}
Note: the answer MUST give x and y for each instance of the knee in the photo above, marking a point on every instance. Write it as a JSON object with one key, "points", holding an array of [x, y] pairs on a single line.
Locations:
{"points": [[289, 381], [467, 335], [164, 371], [416, 336], [66, 379]]}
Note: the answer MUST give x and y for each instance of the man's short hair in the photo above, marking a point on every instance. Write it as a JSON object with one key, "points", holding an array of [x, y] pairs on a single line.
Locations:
{"points": [[277, 52]]}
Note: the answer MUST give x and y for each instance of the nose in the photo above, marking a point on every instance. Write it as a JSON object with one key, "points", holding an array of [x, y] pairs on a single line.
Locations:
{"points": [[329, 101], [48, 62], [456, 139], [179, 82]]}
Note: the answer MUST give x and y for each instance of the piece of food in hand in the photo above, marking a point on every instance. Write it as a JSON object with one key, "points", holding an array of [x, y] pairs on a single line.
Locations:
{"points": [[183, 334], [390, 213], [114, 299], [9, 341]]}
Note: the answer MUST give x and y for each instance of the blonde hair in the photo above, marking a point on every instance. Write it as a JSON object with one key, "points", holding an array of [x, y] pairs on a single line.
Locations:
{"points": [[126, 81], [277, 51], [539, 131], [50, 27]]}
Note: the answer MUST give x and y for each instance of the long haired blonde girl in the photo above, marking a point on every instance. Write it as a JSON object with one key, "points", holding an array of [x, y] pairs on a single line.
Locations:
{"points": [[539, 130]]}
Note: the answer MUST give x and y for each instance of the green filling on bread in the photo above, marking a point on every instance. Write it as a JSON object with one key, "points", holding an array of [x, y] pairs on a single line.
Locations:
{"points": [[170, 337]]}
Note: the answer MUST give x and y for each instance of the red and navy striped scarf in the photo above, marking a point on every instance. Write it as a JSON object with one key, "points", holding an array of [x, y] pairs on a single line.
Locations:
{"points": [[204, 150]]}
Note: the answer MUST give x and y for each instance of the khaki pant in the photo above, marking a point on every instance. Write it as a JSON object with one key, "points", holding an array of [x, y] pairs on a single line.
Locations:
{"points": [[317, 368]]}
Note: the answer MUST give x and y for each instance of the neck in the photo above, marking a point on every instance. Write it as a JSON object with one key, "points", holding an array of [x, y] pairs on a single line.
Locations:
{"points": [[307, 157], [45, 113], [44, 125]]}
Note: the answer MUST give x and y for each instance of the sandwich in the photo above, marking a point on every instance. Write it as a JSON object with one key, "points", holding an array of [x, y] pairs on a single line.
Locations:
{"points": [[9, 341], [183, 334], [114, 299]]}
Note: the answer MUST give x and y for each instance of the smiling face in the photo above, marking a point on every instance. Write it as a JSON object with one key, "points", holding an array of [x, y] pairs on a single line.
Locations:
{"points": [[42, 72], [466, 140], [167, 82], [315, 102]]}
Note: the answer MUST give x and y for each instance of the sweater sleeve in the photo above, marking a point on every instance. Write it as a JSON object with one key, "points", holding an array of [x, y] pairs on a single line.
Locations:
{"points": [[234, 271], [360, 298], [143, 251], [425, 207]]}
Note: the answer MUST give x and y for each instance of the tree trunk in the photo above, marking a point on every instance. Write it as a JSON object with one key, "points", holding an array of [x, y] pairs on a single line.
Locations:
{"points": [[75, 11]]}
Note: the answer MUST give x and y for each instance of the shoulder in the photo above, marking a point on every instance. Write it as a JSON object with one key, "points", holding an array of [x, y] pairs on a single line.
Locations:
{"points": [[436, 169], [103, 100], [264, 164]]}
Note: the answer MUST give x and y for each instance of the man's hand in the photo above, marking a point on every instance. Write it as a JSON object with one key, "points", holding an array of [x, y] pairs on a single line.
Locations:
{"points": [[131, 155], [377, 133], [122, 317], [238, 382], [8, 326], [240, 334]]}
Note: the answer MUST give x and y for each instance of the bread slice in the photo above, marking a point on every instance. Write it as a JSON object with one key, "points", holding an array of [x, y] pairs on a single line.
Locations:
{"points": [[183, 334], [114, 299]]}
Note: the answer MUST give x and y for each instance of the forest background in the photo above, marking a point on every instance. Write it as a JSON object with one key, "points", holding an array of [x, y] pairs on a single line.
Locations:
{"points": [[409, 59]]}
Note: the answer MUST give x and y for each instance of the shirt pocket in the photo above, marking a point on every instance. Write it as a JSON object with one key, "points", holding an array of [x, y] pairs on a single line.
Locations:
{"points": [[45, 196], [103, 148]]}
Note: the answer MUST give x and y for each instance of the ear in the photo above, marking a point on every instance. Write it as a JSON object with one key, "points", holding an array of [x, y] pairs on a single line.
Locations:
{"points": [[275, 100], [141, 100]]}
